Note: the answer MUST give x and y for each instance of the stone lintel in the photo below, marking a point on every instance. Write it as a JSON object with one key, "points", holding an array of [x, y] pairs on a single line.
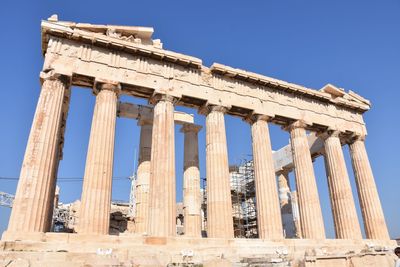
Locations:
{"points": [[345, 137], [283, 159], [99, 39], [141, 113], [290, 87], [183, 118], [141, 74], [83, 32]]}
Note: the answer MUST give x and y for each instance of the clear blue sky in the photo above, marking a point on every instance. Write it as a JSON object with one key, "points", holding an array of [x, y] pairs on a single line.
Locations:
{"points": [[352, 44]]}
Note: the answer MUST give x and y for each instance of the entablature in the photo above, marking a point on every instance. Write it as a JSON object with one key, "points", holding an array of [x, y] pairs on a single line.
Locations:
{"points": [[144, 70]]}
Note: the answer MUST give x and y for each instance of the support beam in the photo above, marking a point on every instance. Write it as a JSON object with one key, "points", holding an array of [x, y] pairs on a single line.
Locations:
{"points": [[191, 181], [285, 201], [371, 209], [162, 202], [219, 202], [343, 208], [143, 176], [133, 111], [312, 224], [35, 192], [97, 183], [283, 158], [267, 200]]}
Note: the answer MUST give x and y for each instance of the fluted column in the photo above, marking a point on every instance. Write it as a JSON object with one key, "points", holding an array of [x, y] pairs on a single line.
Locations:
{"points": [[371, 209], [343, 208], [311, 221], [191, 181], [162, 201], [60, 148], [285, 200], [219, 202], [97, 183], [296, 214], [269, 219], [35, 192], [143, 176]]}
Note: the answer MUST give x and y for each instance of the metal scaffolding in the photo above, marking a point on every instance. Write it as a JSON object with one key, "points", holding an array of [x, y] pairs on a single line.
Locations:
{"points": [[6, 199], [204, 207], [243, 200], [244, 213]]}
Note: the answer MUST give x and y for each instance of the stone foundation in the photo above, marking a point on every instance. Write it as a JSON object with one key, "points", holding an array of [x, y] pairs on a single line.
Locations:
{"points": [[131, 250]]}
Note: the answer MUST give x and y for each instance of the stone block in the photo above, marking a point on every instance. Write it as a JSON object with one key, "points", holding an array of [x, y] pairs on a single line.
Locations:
{"points": [[155, 240], [218, 263]]}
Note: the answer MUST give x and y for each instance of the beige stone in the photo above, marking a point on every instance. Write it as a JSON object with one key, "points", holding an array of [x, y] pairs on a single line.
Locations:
{"points": [[218, 263], [125, 249], [312, 224], [371, 209], [143, 176], [125, 60], [97, 182], [35, 192], [140, 112], [161, 220], [219, 202], [285, 201], [191, 181], [267, 200], [296, 213], [342, 201], [142, 69]]}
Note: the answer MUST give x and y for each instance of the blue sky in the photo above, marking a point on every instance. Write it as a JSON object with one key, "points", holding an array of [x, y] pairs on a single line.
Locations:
{"points": [[351, 44]]}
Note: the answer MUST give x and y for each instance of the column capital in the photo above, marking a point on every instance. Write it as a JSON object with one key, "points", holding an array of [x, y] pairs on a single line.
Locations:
{"points": [[296, 125], [329, 133], [141, 121], [188, 127], [252, 118], [283, 171], [52, 75], [208, 108], [157, 97], [356, 137], [100, 85]]}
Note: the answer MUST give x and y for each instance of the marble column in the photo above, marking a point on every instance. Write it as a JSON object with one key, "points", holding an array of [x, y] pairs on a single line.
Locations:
{"points": [[269, 219], [371, 209], [191, 181], [296, 214], [311, 221], [285, 199], [143, 176], [60, 148], [343, 208], [97, 183], [162, 200], [219, 202], [35, 193]]}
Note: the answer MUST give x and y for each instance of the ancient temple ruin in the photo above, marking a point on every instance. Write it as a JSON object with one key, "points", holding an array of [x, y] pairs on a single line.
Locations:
{"points": [[123, 60]]}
